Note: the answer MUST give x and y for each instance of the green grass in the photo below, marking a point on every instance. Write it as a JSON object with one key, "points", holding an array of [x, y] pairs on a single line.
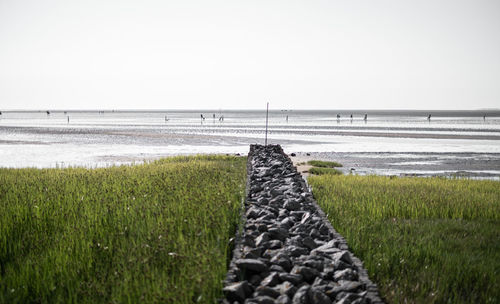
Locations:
{"points": [[156, 232], [324, 164], [423, 240], [324, 171]]}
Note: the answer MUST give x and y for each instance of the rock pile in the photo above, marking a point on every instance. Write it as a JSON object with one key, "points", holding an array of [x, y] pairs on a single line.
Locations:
{"points": [[287, 251]]}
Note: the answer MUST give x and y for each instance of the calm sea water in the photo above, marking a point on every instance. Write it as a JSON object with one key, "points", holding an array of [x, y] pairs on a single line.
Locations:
{"points": [[93, 138]]}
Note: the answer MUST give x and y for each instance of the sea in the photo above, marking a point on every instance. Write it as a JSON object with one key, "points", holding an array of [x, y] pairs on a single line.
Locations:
{"points": [[450, 143]]}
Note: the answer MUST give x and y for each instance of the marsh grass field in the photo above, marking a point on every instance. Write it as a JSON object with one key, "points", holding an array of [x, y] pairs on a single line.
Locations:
{"points": [[160, 232], [422, 240], [156, 232]]}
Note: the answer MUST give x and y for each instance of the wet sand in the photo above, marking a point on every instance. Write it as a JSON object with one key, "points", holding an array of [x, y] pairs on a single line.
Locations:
{"points": [[421, 148], [475, 165]]}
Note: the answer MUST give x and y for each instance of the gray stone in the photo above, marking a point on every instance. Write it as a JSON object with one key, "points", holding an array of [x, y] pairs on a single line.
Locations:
{"points": [[325, 252], [262, 228], [266, 291], [283, 261], [263, 200], [251, 253], [263, 212], [296, 251], [295, 241], [283, 299], [308, 273], [346, 274], [297, 214], [251, 264], [263, 237], [266, 217], [237, 291], [276, 268], [278, 233], [347, 286], [314, 233], [247, 240], [314, 264], [328, 245], [318, 297], [271, 280], [319, 281], [347, 298], [263, 300], [342, 256], [286, 288], [274, 244], [328, 272], [255, 280], [275, 192], [291, 205], [252, 213], [309, 243], [323, 229], [340, 265], [270, 253], [305, 218], [302, 295], [295, 279], [283, 213], [287, 223]]}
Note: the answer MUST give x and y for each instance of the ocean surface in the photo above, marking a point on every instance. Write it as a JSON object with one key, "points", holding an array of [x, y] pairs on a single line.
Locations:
{"points": [[387, 142]]}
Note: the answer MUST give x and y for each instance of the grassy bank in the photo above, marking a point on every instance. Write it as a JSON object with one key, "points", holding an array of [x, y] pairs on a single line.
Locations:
{"points": [[324, 171], [423, 240], [156, 232], [323, 164]]}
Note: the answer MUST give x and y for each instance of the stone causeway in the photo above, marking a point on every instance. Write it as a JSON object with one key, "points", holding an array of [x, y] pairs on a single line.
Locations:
{"points": [[286, 250]]}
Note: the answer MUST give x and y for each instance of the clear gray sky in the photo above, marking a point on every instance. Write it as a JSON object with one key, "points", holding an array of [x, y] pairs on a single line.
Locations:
{"points": [[186, 54]]}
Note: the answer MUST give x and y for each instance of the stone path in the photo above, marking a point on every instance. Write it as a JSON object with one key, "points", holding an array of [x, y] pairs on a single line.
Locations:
{"points": [[287, 251]]}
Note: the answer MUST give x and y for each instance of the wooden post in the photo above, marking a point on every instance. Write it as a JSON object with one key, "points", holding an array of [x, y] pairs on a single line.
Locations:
{"points": [[267, 117]]}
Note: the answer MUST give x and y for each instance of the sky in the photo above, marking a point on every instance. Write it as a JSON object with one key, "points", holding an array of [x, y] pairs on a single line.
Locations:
{"points": [[399, 54]]}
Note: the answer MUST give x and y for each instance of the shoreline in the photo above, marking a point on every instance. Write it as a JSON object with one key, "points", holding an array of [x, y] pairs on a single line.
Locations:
{"points": [[468, 165]]}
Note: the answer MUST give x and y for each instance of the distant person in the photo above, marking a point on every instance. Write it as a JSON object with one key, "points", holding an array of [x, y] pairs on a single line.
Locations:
{"points": [[68, 119], [351, 116], [287, 118], [166, 118], [48, 112], [429, 117], [484, 116], [366, 117]]}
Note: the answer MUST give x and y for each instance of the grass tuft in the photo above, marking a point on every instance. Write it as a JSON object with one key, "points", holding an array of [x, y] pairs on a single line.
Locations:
{"points": [[324, 164], [323, 171]]}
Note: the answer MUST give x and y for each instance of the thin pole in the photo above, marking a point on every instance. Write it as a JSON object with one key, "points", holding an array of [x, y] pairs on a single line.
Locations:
{"points": [[267, 115]]}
